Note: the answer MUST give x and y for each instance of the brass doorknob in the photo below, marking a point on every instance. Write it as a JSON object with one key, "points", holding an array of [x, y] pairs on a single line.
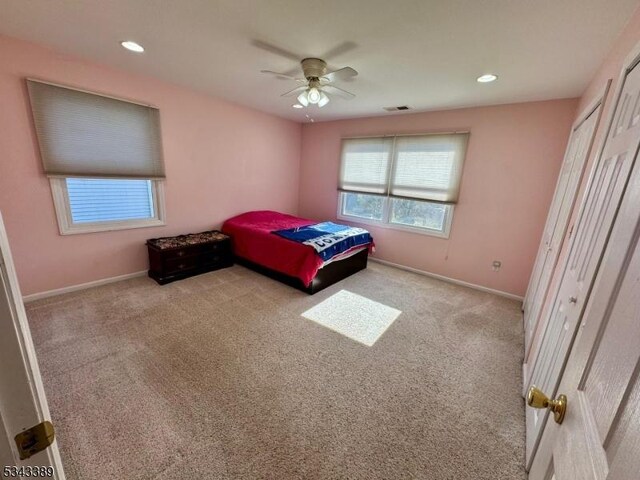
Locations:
{"points": [[537, 399]]}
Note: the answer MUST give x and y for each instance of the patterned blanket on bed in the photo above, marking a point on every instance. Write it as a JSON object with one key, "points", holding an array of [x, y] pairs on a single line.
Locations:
{"points": [[328, 239]]}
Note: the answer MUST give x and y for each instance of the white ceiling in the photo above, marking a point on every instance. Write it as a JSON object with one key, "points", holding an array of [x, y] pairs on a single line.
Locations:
{"points": [[422, 53]]}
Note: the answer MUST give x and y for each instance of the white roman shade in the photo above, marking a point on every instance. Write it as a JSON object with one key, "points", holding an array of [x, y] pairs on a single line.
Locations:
{"points": [[89, 135], [428, 167], [365, 165], [421, 167]]}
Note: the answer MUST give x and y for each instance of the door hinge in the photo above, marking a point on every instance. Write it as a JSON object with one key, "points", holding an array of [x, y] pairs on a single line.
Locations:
{"points": [[35, 439]]}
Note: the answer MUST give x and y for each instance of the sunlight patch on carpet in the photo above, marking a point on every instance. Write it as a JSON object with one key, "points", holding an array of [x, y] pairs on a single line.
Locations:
{"points": [[353, 316]]}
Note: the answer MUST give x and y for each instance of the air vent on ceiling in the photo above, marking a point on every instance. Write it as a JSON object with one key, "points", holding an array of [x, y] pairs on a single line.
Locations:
{"points": [[399, 108]]}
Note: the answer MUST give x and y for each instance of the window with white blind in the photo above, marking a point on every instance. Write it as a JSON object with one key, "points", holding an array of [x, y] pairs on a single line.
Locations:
{"points": [[406, 182], [103, 157], [85, 205]]}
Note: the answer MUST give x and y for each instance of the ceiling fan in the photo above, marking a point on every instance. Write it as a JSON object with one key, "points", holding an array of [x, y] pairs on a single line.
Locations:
{"points": [[317, 82]]}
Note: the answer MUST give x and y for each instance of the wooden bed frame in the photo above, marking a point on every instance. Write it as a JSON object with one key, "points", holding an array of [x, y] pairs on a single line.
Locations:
{"points": [[326, 276]]}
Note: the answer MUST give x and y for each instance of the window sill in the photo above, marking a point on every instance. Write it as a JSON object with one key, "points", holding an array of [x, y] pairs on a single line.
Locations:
{"points": [[394, 226]]}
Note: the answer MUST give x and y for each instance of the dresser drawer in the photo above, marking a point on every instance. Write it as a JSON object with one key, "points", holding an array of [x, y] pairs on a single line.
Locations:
{"points": [[172, 265], [209, 248]]}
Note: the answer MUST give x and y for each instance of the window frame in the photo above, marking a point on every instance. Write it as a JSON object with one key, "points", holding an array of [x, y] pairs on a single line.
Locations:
{"points": [[68, 227], [386, 215], [462, 146]]}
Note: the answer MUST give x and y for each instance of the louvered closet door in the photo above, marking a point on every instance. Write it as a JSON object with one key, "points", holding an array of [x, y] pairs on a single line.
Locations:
{"points": [[557, 220], [600, 436], [590, 237]]}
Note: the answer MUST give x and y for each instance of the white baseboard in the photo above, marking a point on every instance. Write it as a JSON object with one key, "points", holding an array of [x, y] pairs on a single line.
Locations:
{"points": [[82, 286], [105, 281], [450, 280]]}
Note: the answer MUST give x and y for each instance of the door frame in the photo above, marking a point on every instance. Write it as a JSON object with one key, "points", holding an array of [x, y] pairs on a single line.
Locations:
{"points": [[598, 101], [631, 60], [16, 410]]}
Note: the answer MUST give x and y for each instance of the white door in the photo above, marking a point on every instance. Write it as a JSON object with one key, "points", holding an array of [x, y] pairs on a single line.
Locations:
{"points": [[599, 438], [587, 244], [22, 399], [558, 218]]}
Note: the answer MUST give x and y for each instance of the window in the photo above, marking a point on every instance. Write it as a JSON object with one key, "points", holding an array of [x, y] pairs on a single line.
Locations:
{"points": [[86, 205], [404, 182], [103, 157], [400, 213]]}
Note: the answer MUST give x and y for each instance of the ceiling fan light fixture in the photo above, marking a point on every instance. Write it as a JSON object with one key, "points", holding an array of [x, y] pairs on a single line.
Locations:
{"points": [[323, 99], [303, 98], [314, 95]]}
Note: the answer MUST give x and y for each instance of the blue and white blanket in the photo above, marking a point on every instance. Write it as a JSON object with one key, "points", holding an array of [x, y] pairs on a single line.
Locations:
{"points": [[328, 239]]}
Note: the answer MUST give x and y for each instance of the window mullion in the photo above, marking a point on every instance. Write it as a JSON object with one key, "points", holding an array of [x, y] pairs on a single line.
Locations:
{"points": [[392, 161], [386, 216], [386, 208]]}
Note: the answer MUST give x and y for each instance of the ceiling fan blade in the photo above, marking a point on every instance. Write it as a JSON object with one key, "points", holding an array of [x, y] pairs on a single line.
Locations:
{"points": [[283, 75], [344, 47], [341, 74], [291, 93], [333, 90], [276, 50], [294, 71]]}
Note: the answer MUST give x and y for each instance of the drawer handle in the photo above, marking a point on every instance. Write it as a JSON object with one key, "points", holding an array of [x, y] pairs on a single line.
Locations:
{"points": [[181, 266], [181, 253]]}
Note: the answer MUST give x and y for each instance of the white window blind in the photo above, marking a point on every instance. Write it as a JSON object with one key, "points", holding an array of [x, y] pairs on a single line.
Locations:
{"points": [[365, 165], [424, 167], [87, 135], [93, 200], [428, 167]]}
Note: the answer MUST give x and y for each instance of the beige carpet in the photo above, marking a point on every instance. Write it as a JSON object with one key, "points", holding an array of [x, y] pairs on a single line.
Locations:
{"points": [[220, 377]]}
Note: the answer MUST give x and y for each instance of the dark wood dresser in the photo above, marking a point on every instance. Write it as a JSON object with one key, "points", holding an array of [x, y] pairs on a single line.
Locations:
{"points": [[175, 258]]}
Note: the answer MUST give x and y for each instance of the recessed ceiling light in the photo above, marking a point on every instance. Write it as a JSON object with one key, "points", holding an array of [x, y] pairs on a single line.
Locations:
{"points": [[296, 105], [489, 77], [133, 46]]}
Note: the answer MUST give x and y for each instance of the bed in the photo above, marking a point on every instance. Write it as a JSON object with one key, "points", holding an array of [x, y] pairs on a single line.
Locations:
{"points": [[258, 243]]}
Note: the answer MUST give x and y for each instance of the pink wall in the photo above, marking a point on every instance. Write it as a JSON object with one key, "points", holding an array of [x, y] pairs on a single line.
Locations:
{"points": [[221, 159], [512, 163], [611, 67]]}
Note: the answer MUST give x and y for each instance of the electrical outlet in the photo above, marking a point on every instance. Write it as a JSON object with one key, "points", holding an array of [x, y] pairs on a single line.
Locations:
{"points": [[495, 266]]}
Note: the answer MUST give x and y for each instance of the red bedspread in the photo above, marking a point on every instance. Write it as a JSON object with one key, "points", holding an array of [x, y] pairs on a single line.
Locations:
{"points": [[252, 239]]}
